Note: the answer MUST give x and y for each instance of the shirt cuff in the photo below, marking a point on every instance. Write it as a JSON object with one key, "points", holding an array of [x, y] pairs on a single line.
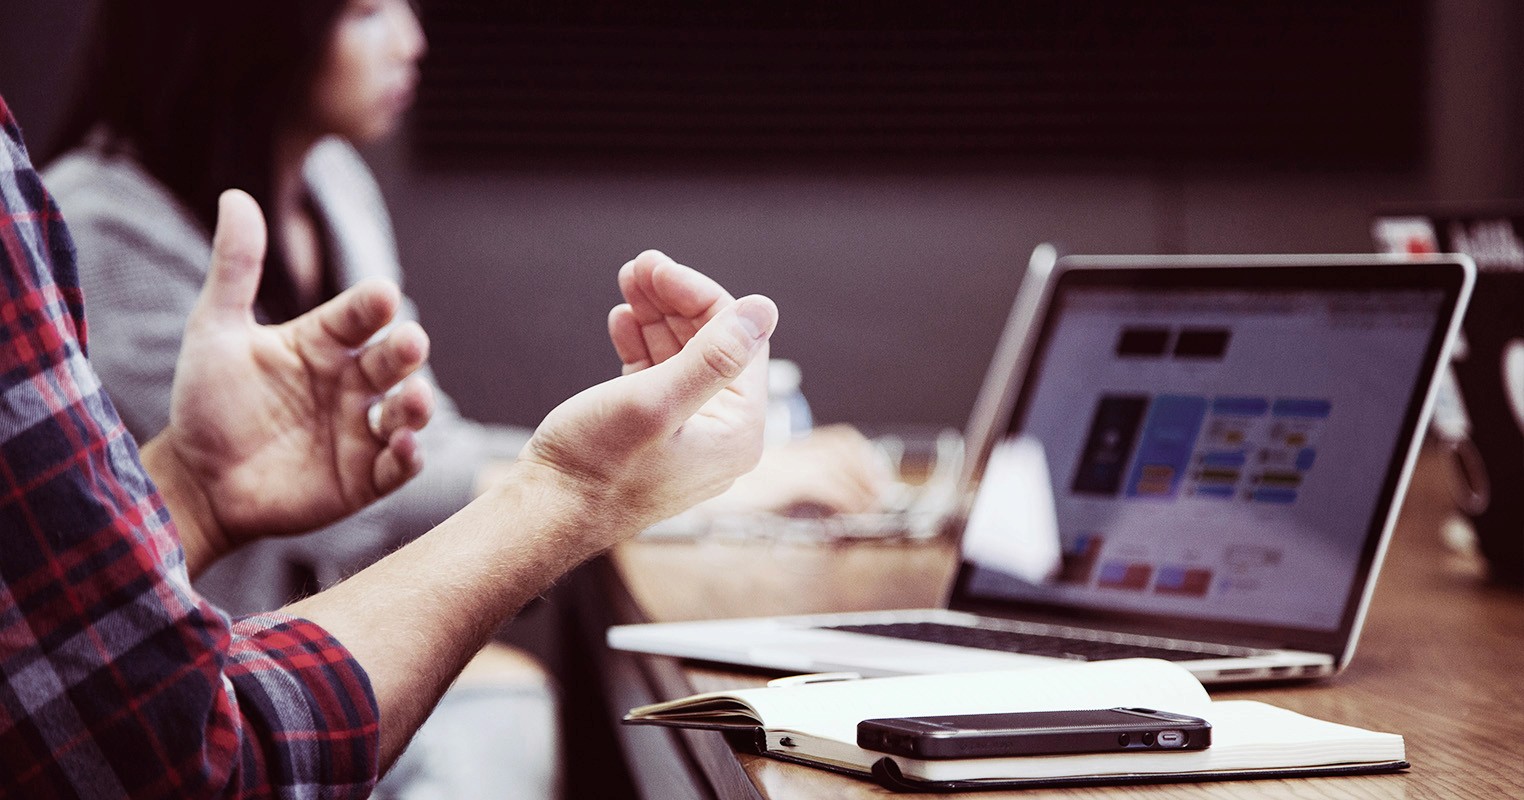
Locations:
{"points": [[311, 718]]}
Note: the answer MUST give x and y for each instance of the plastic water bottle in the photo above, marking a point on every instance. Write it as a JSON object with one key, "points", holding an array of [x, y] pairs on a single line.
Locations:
{"points": [[788, 413]]}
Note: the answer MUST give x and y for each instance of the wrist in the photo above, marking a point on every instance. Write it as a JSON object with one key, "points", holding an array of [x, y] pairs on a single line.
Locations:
{"points": [[592, 519], [200, 533], [493, 473]]}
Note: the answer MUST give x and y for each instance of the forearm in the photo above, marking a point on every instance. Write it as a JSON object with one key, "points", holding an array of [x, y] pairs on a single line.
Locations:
{"points": [[416, 617]]}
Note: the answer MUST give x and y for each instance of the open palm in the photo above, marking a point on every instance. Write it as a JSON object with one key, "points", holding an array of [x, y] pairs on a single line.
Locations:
{"points": [[273, 423]]}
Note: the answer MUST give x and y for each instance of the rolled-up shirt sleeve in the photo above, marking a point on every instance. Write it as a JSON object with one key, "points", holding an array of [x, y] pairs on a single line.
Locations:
{"points": [[116, 678], [305, 701]]}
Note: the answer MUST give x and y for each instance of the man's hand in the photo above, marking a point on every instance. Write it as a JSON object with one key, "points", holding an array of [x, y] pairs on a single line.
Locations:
{"points": [[678, 427], [271, 429], [685, 419]]}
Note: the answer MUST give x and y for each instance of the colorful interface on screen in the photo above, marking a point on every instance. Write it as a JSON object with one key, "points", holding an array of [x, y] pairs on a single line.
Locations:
{"points": [[1219, 453]]}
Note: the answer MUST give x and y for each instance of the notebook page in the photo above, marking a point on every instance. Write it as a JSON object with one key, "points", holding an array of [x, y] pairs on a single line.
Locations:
{"points": [[1246, 736]]}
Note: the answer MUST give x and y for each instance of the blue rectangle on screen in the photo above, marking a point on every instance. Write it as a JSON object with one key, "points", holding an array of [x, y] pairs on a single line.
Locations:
{"points": [[1219, 492], [1305, 458], [1241, 406], [1277, 496], [1164, 452], [1225, 458], [1309, 409]]}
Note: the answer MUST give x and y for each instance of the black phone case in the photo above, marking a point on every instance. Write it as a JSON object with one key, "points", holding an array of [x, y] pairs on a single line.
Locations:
{"points": [[1049, 734]]}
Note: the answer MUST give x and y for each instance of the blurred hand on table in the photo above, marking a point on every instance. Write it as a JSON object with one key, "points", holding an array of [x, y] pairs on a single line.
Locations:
{"points": [[834, 470]]}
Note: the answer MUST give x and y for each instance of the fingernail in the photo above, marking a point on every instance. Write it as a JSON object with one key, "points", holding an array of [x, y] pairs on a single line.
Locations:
{"points": [[754, 317]]}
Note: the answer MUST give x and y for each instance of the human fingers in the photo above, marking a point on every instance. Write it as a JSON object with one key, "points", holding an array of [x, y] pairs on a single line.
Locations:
{"points": [[837, 494], [688, 297], [715, 358], [684, 328], [399, 354], [410, 407], [855, 457], [397, 462], [629, 344], [632, 288], [657, 341], [671, 301], [238, 256], [684, 292], [661, 341], [656, 287], [831, 470], [862, 489], [353, 317]]}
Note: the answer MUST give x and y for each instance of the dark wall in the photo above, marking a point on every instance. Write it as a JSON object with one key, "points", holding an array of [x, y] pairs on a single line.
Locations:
{"points": [[37, 51], [893, 282]]}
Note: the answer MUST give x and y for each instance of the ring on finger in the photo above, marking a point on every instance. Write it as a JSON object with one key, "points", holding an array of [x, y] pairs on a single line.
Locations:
{"points": [[373, 419]]}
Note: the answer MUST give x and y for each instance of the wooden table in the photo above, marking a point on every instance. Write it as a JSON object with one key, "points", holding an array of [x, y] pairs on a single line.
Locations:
{"points": [[1441, 662]]}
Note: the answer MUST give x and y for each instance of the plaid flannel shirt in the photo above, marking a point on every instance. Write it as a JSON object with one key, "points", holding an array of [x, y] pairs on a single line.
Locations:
{"points": [[116, 678]]}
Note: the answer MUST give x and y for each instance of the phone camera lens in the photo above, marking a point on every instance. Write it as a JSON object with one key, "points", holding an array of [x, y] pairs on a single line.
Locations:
{"points": [[1123, 739], [1148, 739]]}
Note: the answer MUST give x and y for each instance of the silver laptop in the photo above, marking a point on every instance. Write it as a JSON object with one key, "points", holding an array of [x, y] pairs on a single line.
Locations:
{"points": [[1228, 440]]}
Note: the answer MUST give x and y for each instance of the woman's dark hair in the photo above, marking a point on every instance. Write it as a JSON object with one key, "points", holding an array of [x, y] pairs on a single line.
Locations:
{"points": [[198, 91]]}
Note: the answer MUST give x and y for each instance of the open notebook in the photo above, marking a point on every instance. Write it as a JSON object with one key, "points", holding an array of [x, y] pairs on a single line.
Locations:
{"points": [[816, 724]]}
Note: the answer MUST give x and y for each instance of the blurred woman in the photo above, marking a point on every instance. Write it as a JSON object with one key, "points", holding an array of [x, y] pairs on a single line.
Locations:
{"points": [[182, 99]]}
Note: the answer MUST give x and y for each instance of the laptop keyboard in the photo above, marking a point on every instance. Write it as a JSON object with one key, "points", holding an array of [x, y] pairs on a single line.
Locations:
{"points": [[1038, 644]]}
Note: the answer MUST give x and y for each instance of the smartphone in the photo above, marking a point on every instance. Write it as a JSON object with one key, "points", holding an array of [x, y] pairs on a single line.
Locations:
{"points": [[1035, 733]]}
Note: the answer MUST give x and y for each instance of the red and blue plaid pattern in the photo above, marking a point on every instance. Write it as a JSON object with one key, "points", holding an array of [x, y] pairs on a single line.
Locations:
{"points": [[116, 678]]}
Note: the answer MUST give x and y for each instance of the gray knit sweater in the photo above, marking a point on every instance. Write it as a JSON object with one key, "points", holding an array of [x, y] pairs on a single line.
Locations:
{"points": [[142, 260]]}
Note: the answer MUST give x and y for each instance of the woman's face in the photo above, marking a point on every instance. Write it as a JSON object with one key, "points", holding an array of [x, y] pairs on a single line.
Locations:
{"points": [[367, 77]]}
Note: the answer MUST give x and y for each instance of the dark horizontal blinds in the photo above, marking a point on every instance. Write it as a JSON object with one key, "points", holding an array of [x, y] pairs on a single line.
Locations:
{"points": [[1275, 81]]}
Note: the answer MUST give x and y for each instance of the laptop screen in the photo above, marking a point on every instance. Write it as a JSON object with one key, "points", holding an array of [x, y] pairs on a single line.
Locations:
{"points": [[1223, 444]]}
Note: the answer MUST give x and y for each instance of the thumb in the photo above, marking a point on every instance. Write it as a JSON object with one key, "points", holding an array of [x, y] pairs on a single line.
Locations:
{"points": [[238, 255], [716, 357]]}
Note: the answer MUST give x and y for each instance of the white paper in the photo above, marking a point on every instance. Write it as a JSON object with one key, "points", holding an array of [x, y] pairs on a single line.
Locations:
{"points": [[1013, 526]]}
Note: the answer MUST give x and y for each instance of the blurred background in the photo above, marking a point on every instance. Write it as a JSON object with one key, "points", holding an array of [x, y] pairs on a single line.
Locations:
{"points": [[883, 169]]}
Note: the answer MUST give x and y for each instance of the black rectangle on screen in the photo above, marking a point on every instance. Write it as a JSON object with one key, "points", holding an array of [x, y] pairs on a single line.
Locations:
{"points": [[1143, 342], [1113, 432], [1202, 343]]}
